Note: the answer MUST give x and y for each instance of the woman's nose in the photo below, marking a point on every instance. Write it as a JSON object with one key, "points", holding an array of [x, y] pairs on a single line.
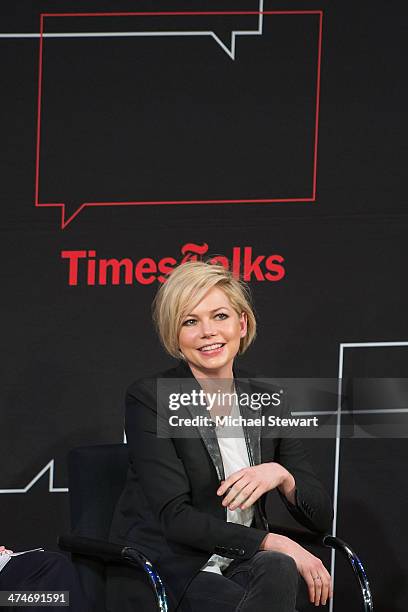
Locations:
{"points": [[207, 329]]}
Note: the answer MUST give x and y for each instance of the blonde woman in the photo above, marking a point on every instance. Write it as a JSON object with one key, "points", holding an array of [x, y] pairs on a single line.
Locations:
{"points": [[195, 504]]}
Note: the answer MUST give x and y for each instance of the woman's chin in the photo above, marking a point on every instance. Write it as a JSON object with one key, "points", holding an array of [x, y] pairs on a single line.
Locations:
{"points": [[214, 364]]}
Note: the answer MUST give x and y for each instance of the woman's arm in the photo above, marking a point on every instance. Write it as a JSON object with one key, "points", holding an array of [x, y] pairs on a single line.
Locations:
{"points": [[289, 471], [311, 505], [305, 497]]}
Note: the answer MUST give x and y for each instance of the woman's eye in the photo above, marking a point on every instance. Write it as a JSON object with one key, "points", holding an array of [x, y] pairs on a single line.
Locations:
{"points": [[222, 315], [189, 322]]}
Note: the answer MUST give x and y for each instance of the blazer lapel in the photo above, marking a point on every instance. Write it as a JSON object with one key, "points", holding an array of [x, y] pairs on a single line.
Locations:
{"points": [[253, 432], [207, 433], [210, 440]]}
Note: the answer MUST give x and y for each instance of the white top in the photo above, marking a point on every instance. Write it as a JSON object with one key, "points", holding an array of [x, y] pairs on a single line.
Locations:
{"points": [[234, 455]]}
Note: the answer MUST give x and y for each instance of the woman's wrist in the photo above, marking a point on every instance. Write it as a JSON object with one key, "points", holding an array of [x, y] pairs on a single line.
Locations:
{"points": [[273, 541], [288, 487]]}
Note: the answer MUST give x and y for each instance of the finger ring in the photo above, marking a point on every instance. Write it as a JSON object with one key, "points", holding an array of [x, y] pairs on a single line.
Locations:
{"points": [[316, 578]]}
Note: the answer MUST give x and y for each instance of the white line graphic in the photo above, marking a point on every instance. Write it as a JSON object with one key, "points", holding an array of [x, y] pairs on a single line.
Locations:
{"points": [[229, 51], [326, 412], [343, 346], [51, 489]]}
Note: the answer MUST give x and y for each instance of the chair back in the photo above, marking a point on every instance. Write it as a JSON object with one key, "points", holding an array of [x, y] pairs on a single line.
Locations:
{"points": [[96, 478]]}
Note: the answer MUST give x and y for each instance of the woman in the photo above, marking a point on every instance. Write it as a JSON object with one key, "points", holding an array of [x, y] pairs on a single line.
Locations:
{"points": [[195, 504]]}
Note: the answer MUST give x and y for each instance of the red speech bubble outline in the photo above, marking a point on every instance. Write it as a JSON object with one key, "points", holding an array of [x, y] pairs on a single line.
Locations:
{"points": [[66, 220]]}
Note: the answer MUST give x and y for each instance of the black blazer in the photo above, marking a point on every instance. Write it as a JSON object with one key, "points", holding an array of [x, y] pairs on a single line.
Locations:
{"points": [[169, 508]]}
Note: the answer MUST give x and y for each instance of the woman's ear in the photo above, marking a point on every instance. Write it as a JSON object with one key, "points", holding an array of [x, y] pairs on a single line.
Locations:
{"points": [[243, 322]]}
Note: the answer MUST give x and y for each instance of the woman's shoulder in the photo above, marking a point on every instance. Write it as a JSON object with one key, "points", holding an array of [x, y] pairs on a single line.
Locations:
{"points": [[244, 373], [149, 382], [259, 381]]}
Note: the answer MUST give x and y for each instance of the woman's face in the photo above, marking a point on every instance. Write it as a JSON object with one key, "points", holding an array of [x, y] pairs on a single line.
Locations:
{"points": [[210, 335]]}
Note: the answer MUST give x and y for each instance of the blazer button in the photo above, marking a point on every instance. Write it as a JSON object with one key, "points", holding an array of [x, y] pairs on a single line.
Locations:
{"points": [[241, 552]]}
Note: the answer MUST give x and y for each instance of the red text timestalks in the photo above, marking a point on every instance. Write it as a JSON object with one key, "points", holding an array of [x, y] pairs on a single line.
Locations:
{"points": [[86, 268]]}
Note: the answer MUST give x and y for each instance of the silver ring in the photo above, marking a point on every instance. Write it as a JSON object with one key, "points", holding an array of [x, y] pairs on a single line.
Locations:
{"points": [[316, 578]]}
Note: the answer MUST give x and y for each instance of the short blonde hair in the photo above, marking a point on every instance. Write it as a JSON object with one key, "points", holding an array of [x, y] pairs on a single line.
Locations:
{"points": [[185, 288]]}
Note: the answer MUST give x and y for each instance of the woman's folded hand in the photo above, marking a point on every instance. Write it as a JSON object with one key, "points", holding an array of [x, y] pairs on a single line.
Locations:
{"points": [[311, 568], [247, 485]]}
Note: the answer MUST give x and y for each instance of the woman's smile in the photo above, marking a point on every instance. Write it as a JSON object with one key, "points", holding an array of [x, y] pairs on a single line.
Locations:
{"points": [[210, 350]]}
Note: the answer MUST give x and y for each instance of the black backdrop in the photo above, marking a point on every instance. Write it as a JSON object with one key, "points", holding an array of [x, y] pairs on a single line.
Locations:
{"points": [[165, 118]]}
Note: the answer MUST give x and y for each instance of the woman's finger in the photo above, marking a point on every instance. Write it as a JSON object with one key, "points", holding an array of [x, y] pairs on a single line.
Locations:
{"points": [[226, 484], [256, 494], [327, 586], [325, 590], [234, 491], [243, 497], [318, 583], [307, 576]]}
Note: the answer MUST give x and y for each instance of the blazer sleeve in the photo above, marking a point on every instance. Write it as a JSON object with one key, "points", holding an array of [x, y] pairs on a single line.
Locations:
{"points": [[166, 485], [313, 508]]}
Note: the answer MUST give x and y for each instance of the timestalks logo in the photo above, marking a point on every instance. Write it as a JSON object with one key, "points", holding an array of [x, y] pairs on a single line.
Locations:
{"points": [[86, 268]]}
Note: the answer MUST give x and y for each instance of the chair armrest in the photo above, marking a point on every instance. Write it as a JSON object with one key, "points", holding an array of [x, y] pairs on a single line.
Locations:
{"points": [[358, 568], [90, 547], [329, 541], [110, 552]]}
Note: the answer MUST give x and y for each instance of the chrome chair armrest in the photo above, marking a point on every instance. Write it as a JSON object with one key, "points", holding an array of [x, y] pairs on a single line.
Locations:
{"points": [[134, 557], [110, 552], [357, 566]]}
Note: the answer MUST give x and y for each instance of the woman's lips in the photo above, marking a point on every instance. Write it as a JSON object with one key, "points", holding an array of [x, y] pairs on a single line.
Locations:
{"points": [[212, 352]]}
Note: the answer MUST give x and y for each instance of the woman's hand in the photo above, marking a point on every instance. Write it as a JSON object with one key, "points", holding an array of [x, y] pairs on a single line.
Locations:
{"points": [[3, 550], [247, 485], [311, 568]]}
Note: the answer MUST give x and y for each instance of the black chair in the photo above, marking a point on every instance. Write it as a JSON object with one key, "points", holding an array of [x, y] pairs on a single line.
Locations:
{"points": [[96, 476]]}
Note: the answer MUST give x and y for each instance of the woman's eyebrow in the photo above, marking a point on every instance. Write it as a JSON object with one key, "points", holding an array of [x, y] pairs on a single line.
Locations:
{"points": [[191, 314]]}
